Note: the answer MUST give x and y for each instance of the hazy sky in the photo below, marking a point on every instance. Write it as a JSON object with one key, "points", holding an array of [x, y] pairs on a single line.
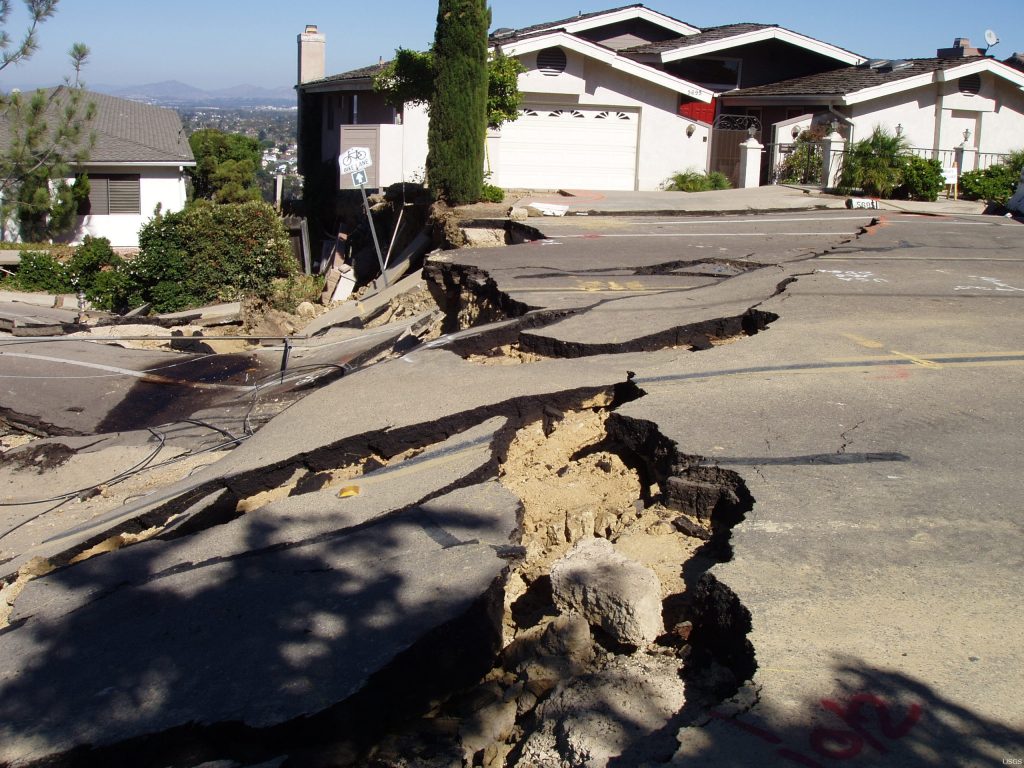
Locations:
{"points": [[221, 43]]}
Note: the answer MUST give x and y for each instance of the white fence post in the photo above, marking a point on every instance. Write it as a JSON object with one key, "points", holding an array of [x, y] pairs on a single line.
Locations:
{"points": [[750, 163], [831, 159]]}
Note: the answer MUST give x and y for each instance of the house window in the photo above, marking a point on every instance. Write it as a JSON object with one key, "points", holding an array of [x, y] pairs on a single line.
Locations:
{"points": [[970, 84], [551, 61], [113, 193]]}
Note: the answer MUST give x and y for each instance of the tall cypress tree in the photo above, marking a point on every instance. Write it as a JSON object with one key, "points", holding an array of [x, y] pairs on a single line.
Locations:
{"points": [[458, 111]]}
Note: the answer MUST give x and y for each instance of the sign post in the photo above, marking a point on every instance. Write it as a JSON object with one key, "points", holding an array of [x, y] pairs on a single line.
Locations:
{"points": [[355, 161]]}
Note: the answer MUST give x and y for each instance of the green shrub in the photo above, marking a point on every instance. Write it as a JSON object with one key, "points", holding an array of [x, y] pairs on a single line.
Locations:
{"points": [[696, 181], [997, 183], [111, 290], [40, 271], [288, 292], [491, 194], [802, 165], [922, 180], [208, 253], [874, 165], [718, 180]]}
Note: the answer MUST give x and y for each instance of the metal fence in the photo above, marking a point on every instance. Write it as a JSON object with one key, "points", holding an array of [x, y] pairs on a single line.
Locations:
{"points": [[803, 163], [793, 163]]}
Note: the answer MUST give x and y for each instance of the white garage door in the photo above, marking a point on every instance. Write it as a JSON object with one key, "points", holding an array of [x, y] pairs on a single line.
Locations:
{"points": [[569, 147]]}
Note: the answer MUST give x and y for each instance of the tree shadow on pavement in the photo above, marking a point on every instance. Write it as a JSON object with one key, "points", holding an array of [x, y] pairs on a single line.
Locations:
{"points": [[243, 642], [872, 717]]}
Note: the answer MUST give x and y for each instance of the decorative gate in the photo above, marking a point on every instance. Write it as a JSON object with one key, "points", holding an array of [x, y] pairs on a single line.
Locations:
{"points": [[727, 133]]}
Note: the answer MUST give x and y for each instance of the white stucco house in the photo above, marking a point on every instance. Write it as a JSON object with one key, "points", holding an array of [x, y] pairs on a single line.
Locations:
{"points": [[622, 99], [137, 165], [616, 100], [960, 107]]}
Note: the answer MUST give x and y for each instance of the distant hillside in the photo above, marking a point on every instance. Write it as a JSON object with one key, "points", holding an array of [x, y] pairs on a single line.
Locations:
{"points": [[177, 94]]}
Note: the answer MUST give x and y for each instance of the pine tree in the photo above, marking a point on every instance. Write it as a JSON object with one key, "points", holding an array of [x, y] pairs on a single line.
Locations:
{"points": [[458, 110], [42, 136]]}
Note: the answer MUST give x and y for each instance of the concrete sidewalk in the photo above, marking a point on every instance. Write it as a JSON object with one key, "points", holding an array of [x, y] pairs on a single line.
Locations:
{"points": [[760, 199]]}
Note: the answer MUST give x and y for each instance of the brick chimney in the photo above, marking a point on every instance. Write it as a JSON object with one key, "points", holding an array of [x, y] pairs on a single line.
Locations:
{"points": [[312, 51], [961, 49]]}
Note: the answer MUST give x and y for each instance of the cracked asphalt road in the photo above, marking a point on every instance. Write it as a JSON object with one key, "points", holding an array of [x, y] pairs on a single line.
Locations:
{"points": [[872, 417]]}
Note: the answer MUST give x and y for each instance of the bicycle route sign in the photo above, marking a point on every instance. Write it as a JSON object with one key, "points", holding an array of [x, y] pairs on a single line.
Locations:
{"points": [[355, 159]]}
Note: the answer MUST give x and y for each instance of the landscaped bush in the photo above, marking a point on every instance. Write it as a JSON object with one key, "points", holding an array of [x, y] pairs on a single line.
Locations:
{"points": [[207, 253], [696, 181], [874, 165], [997, 183], [40, 271], [803, 163], [489, 193], [922, 180]]}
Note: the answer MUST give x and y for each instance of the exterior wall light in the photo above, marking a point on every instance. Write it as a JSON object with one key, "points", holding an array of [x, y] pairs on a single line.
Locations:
{"points": [[899, 129], [795, 132], [967, 134], [690, 130]]}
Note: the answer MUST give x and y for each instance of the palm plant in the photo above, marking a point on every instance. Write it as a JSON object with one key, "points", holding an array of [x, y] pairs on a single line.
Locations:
{"points": [[875, 165]]}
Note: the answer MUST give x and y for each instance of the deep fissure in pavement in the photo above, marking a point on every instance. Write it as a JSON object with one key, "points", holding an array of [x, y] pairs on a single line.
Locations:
{"points": [[471, 298], [498, 683]]}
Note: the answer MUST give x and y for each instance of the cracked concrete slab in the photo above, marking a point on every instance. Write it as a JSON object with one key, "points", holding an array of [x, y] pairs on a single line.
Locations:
{"points": [[866, 538], [317, 609], [669, 318], [298, 517]]}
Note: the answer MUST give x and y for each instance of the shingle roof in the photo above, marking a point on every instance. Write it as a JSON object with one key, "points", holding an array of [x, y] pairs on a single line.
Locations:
{"points": [[716, 34], [525, 31], [130, 132], [710, 34], [353, 74], [849, 79]]}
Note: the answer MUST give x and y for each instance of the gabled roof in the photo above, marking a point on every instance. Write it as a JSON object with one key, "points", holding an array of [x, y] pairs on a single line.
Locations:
{"points": [[585, 21], [355, 78], [132, 132], [852, 85], [127, 132], [539, 41], [718, 39]]}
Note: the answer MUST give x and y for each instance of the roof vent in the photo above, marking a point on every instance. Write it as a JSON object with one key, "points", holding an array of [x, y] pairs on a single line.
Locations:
{"points": [[551, 61], [503, 32], [969, 84], [887, 65]]}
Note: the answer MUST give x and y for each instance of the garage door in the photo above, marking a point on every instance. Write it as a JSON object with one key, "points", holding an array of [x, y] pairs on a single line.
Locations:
{"points": [[569, 147]]}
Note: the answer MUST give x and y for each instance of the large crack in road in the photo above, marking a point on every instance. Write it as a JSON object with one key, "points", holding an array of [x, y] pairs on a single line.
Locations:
{"points": [[506, 679]]}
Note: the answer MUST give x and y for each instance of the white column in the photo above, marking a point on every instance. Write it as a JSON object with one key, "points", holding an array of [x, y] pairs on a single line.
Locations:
{"points": [[966, 157], [832, 159], [750, 163]]}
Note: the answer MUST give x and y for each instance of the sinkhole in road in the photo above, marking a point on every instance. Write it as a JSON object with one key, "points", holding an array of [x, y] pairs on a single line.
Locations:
{"points": [[560, 684]]}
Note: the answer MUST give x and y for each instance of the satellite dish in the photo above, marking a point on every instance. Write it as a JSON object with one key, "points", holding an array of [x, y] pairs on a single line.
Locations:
{"points": [[991, 37]]}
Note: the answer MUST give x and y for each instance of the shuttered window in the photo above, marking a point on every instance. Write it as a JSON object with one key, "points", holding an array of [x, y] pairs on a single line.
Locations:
{"points": [[114, 193]]}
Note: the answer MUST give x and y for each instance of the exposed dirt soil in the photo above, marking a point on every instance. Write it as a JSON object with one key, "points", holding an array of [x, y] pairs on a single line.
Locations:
{"points": [[561, 695]]}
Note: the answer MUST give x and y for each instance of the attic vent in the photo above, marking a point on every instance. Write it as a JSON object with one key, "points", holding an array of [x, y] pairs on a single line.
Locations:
{"points": [[970, 84], [551, 61], [888, 65]]}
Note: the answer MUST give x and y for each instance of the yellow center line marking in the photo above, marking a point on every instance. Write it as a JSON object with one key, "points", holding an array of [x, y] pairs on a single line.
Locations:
{"points": [[915, 360], [868, 343]]}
